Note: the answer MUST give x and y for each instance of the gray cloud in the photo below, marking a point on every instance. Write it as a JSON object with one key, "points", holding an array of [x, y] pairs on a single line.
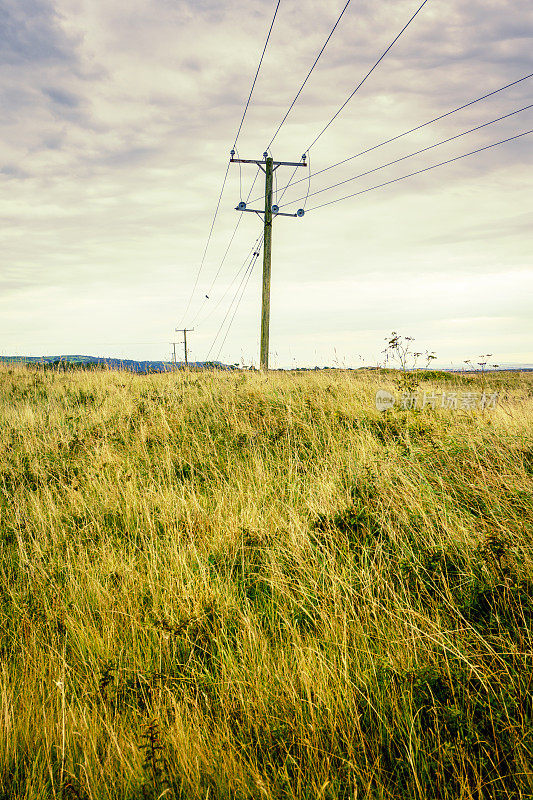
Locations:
{"points": [[30, 32], [61, 97], [12, 171]]}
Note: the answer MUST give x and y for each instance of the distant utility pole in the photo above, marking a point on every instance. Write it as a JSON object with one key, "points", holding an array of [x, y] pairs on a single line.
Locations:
{"points": [[174, 354], [269, 213], [184, 331]]}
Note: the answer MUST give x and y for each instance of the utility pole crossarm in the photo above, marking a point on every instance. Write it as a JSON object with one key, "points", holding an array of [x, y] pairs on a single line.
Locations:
{"points": [[276, 164], [261, 211]]}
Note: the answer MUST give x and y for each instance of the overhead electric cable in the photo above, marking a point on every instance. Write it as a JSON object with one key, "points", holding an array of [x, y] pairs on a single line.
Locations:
{"points": [[210, 289], [401, 135], [370, 71], [252, 261], [410, 155], [207, 243], [419, 171], [257, 73], [227, 168], [240, 175], [237, 306], [308, 75], [256, 246], [208, 294], [308, 184], [285, 187]]}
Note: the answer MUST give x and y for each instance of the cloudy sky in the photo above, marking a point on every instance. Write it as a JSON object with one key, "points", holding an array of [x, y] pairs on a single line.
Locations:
{"points": [[117, 121]]}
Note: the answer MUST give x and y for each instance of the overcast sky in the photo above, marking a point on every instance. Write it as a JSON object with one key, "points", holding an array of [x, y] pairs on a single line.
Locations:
{"points": [[117, 121]]}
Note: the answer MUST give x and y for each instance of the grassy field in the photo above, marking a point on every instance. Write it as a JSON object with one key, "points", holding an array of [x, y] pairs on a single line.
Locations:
{"points": [[236, 586]]}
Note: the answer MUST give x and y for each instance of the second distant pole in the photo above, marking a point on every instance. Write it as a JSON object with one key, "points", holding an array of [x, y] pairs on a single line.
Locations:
{"points": [[184, 331]]}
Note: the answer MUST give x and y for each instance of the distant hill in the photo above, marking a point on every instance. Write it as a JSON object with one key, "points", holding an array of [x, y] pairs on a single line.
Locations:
{"points": [[145, 367], [96, 362]]}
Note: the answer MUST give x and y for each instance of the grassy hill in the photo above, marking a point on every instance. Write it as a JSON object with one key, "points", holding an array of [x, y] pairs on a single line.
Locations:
{"points": [[225, 585]]}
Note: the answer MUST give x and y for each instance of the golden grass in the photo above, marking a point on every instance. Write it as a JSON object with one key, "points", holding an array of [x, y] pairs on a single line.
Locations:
{"points": [[228, 585]]}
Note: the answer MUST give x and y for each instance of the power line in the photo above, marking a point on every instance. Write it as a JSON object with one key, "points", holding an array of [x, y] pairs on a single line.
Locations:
{"points": [[308, 75], [250, 265], [405, 133], [208, 293], [237, 306], [285, 187], [410, 155], [227, 168], [207, 243], [256, 74], [240, 176], [234, 232], [206, 298], [370, 71], [308, 183], [256, 245], [426, 169]]}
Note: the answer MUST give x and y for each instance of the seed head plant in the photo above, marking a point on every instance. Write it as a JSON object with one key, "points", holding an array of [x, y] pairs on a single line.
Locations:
{"points": [[400, 355], [483, 365]]}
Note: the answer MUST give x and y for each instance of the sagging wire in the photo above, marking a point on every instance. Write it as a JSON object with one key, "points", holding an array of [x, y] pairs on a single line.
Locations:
{"points": [[246, 274], [197, 278], [246, 281], [210, 234], [257, 245], [210, 289], [308, 182], [370, 71], [420, 171], [411, 130], [240, 175], [417, 152]]}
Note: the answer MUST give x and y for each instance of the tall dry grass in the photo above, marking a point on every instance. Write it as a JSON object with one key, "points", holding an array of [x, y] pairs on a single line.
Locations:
{"points": [[236, 586]]}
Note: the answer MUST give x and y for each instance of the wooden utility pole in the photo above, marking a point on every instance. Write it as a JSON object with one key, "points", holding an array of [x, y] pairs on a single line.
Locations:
{"points": [[267, 266], [184, 331], [269, 213]]}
